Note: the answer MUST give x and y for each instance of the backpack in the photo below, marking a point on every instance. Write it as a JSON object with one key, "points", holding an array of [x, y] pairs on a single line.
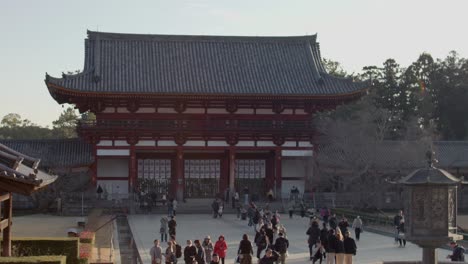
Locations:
{"points": [[178, 251]]}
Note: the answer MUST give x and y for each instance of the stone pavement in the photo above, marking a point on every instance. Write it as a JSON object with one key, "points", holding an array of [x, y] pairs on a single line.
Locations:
{"points": [[372, 248]]}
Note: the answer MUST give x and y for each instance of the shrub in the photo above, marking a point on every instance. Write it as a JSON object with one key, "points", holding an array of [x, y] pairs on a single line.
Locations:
{"points": [[35, 259], [47, 246]]}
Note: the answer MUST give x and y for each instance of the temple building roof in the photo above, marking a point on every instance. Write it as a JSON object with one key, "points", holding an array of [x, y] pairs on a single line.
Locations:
{"points": [[137, 64], [19, 172], [55, 153]]}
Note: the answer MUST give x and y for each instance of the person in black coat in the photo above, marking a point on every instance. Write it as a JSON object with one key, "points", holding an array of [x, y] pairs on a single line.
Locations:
{"points": [[401, 233], [172, 224], [333, 222], [349, 248], [324, 237], [245, 250], [200, 256], [331, 248], [314, 236], [458, 252], [281, 246], [190, 252]]}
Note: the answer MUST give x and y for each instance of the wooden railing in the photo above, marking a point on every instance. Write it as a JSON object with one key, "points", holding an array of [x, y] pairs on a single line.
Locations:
{"points": [[237, 125]]}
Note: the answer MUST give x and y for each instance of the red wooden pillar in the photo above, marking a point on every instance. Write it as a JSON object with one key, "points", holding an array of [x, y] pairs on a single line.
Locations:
{"points": [[225, 173], [5, 223], [132, 175], [94, 167], [278, 172], [179, 174], [232, 170], [269, 172]]}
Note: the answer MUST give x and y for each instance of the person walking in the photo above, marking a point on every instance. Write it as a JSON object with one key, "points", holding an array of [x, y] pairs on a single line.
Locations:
{"points": [[331, 251], [220, 209], [349, 248], [314, 235], [189, 252], [318, 252], [261, 241], [220, 248], [357, 225], [200, 256], [163, 229], [245, 250], [324, 238], [458, 252], [174, 207], [281, 246], [396, 222], [172, 224], [170, 211], [215, 259], [343, 225], [208, 247], [401, 233], [215, 207], [170, 253], [339, 247], [333, 222], [156, 253]]}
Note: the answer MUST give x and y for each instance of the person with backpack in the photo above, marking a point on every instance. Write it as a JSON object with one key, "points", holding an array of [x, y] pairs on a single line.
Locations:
{"points": [[458, 252], [189, 252], [220, 248], [177, 250], [281, 246], [172, 224]]}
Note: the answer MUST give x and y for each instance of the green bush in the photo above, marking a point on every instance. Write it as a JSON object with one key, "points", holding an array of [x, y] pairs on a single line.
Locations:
{"points": [[36, 259], [47, 246]]}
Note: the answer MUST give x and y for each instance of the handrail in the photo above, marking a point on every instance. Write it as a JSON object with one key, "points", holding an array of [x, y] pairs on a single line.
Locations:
{"points": [[112, 219]]}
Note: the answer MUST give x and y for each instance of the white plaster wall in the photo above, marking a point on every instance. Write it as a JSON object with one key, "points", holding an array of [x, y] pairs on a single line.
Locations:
{"points": [[265, 112], [115, 189], [121, 143], [217, 111], [146, 143], [165, 110], [195, 111], [246, 144], [105, 143], [294, 168], [109, 167], [122, 110], [109, 110], [146, 110], [113, 152]]}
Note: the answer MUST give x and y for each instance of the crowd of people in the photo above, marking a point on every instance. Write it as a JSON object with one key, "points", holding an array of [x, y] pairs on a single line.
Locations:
{"points": [[329, 241]]}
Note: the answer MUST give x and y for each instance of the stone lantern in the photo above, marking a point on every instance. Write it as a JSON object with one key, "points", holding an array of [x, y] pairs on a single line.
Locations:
{"points": [[430, 208]]}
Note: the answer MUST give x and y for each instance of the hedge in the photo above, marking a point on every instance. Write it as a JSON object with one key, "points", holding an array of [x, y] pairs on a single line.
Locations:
{"points": [[35, 259], [367, 217], [48, 246]]}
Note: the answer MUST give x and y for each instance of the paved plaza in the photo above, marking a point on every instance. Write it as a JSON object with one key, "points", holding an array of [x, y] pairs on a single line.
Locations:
{"points": [[372, 248]]}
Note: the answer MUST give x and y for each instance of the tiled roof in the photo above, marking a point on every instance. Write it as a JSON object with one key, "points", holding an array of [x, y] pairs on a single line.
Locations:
{"points": [[429, 175], [55, 153], [215, 65], [19, 172], [451, 153]]}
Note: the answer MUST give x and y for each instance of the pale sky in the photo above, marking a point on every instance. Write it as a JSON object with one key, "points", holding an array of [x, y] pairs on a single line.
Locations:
{"points": [[48, 35]]}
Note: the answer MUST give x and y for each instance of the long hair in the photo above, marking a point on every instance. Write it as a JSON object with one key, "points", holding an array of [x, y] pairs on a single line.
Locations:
{"points": [[339, 235]]}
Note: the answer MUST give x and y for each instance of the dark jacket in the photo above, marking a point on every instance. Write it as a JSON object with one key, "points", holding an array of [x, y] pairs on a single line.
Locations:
{"points": [[245, 247], [269, 233], [200, 256], [314, 234], [281, 245], [458, 254], [332, 222], [397, 220], [189, 254], [269, 260], [172, 224], [324, 238], [349, 246], [331, 243], [339, 246]]}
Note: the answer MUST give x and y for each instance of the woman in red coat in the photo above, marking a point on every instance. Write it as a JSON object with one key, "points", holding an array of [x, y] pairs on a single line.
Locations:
{"points": [[220, 248]]}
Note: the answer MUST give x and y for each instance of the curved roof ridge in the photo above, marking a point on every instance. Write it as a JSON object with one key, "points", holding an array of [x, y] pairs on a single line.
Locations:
{"points": [[69, 76], [216, 38]]}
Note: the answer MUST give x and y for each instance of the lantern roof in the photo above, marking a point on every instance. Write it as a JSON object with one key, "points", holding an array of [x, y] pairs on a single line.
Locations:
{"points": [[430, 175]]}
